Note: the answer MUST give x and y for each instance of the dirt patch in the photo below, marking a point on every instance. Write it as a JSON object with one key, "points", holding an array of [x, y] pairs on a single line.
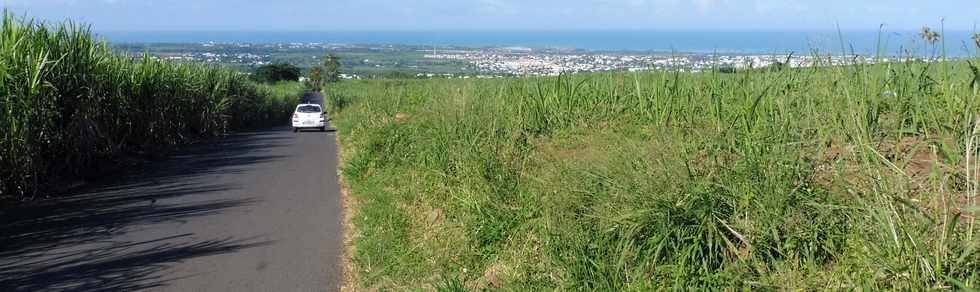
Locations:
{"points": [[491, 279], [434, 217], [913, 157], [492, 276], [401, 117], [914, 165], [835, 163], [916, 156]]}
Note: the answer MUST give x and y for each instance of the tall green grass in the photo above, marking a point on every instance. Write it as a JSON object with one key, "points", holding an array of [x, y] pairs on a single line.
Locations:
{"points": [[69, 104], [851, 177]]}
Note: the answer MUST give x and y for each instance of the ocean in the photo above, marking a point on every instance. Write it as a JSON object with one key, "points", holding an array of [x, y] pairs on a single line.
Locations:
{"points": [[957, 43]]}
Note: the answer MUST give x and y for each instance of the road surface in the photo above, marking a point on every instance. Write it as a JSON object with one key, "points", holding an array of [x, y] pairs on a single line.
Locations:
{"points": [[256, 211]]}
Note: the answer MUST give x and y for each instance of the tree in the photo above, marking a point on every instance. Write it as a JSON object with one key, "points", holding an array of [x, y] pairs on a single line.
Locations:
{"points": [[331, 68], [976, 39], [929, 35], [277, 72], [316, 77]]}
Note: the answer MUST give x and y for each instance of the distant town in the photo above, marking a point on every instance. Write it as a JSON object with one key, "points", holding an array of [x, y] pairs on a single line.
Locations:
{"points": [[530, 62], [372, 61]]}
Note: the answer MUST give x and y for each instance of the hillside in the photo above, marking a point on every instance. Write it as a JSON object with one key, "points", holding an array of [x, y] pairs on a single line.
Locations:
{"points": [[852, 177]]}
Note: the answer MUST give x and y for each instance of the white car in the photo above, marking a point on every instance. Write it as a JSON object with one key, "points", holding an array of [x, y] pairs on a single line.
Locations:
{"points": [[309, 116]]}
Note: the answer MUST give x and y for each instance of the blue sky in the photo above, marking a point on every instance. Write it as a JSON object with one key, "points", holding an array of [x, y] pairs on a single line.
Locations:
{"points": [[320, 15]]}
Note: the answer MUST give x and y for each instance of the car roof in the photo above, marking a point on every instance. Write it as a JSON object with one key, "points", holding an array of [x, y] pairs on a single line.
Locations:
{"points": [[306, 104]]}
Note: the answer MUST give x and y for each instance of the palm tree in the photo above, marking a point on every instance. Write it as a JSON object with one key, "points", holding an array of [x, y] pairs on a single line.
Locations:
{"points": [[929, 35], [976, 39]]}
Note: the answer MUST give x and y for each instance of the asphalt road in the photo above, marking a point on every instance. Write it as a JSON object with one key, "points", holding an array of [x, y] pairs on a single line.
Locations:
{"points": [[256, 211]]}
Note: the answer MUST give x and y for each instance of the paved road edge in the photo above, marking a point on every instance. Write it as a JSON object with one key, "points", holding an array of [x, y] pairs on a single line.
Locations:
{"points": [[349, 273]]}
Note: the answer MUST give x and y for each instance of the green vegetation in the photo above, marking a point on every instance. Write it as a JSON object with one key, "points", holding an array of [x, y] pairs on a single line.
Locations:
{"points": [[69, 106], [405, 61], [328, 72], [331, 68], [854, 177], [277, 72], [367, 61]]}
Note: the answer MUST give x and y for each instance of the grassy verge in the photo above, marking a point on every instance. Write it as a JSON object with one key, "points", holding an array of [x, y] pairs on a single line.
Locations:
{"points": [[69, 105], [857, 177]]}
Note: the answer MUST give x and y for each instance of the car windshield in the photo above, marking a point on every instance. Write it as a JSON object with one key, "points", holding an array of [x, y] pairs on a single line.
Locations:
{"points": [[308, 109]]}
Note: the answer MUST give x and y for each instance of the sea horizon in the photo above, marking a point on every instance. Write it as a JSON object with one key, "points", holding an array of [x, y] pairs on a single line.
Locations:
{"points": [[865, 42]]}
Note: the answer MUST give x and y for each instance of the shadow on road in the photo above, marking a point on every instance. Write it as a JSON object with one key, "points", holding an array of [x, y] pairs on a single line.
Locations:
{"points": [[69, 242], [122, 266], [328, 130]]}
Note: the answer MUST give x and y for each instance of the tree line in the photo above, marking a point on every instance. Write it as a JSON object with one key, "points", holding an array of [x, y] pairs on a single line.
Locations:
{"points": [[327, 71]]}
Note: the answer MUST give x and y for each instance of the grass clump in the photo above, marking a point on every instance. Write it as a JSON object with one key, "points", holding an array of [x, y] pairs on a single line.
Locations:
{"points": [[851, 177], [68, 104]]}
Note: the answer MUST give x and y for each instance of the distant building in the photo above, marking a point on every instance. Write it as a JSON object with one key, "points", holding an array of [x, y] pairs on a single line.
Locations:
{"points": [[346, 76]]}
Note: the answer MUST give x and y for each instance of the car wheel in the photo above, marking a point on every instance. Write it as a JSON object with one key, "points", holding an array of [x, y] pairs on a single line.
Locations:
{"points": [[323, 129], [295, 130]]}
